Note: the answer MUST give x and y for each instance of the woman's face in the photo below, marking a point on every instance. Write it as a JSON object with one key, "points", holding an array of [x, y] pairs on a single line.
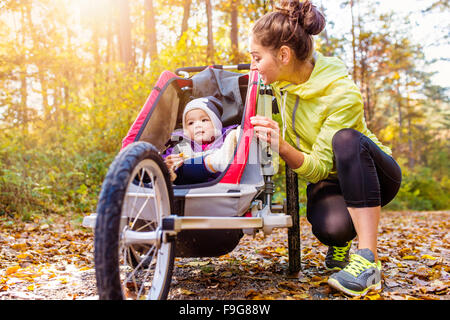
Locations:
{"points": [[264, 61], [198, 126]]}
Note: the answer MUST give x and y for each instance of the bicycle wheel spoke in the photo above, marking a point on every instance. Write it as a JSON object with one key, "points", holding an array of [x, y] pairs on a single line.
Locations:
{"points": [[136, 280], [146, 200], [156, 200], [148, 271]]}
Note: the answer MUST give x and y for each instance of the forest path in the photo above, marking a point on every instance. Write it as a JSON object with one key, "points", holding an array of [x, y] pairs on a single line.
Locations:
{"points": [[52, 259]]}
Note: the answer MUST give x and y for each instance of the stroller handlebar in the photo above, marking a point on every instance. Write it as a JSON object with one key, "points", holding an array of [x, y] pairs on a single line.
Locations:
{"points": [[185, 71]]}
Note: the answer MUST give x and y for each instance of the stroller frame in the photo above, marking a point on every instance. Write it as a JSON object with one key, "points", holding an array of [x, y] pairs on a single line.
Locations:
{"points": [[260, 215]]}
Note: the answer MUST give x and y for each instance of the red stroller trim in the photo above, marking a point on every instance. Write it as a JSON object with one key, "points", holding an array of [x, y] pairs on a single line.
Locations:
{"points": [[237, 166], [165, 78]]}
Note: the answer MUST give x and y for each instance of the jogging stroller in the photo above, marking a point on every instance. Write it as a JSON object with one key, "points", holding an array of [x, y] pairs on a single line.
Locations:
{"points": [[143, 221]]}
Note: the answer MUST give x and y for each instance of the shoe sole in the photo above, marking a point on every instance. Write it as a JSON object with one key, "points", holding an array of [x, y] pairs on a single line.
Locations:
{"points": [[336, 285], [333, 269]]}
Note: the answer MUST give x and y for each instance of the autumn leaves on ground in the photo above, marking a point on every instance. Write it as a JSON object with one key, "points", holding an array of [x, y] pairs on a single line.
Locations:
{"points": [[52, 259]]}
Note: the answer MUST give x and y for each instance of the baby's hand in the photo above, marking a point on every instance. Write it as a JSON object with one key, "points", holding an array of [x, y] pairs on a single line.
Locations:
{"points": [[173, 161]]}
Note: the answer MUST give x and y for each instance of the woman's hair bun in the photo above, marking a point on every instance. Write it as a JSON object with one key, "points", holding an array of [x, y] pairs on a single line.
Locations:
{"points": [[293, 23], [304, 13]]}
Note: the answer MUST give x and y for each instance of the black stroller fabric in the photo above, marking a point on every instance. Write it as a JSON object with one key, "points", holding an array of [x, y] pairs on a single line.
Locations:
{"points": [[223, 85]]}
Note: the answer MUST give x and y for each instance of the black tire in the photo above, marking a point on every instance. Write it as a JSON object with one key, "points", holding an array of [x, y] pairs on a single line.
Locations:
{"points": [[109, 244]]}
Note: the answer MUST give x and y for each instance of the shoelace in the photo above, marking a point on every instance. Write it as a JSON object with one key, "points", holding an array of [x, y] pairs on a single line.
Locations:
{"points": [[340, 252], [357, 265]]}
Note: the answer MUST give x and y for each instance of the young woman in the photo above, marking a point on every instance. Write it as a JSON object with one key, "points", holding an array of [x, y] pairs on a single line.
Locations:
{"points": [[325, 140]]}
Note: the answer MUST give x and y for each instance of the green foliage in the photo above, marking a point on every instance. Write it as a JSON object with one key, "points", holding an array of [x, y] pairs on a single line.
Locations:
{"points": [[421, 191], [42, 178], [66, 101], [279, 196], [59, 168]]}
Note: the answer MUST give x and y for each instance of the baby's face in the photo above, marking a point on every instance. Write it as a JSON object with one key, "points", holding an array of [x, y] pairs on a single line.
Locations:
{"points": [[198, 126]]}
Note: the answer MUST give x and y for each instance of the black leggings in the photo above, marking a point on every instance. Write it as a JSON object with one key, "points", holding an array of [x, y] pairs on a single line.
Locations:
{"points": [[367, 177]]}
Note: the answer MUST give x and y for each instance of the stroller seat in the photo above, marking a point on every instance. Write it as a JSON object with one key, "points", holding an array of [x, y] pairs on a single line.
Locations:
{"points": [[233, 191]]}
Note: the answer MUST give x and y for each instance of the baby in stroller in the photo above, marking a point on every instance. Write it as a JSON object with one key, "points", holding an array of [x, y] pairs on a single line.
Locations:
{"points": [[203, 148]]}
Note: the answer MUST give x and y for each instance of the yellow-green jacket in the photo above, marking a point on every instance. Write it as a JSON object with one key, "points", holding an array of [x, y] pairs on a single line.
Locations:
{"points": [[315, 110]]}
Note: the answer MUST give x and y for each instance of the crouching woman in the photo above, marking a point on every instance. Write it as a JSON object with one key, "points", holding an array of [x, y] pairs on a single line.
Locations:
{"points": [[323, 137]]}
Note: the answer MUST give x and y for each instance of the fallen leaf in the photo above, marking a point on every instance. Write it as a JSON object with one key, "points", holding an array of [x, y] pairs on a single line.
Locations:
{"points": [[391, 283], [197, 263], [422, 272], [44, 227], [85, 268], [437, 287], [409, 258], [374, 297], [251, 293], [282, 251], [427, 256], [20, 246], [24, 256], [302, 296], [12, 270], [186, 292], [226, 274]]}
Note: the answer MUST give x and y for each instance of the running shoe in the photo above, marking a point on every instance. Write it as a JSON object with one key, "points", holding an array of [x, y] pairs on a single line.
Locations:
{"points": [[360, 276], [337, 257]]}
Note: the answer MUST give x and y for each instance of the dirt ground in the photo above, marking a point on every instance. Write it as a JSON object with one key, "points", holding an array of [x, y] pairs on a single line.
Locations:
{"points": [[52, 259]]}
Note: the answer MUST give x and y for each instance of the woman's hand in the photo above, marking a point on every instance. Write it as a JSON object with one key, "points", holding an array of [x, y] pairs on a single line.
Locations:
{"points": [[267, 130]]}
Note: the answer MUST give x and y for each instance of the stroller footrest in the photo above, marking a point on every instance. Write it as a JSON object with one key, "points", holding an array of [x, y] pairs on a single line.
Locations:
{"points": [[177, 223], [89, 221], [272, 221]]}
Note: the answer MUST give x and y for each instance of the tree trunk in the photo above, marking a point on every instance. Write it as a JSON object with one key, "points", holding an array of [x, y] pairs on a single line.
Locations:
{"points": [[41, 66], [23, 109], [400, 115], [353, 41], [150, 30], [22, 114], [125, 47], [411, 161], [369, 102], [186, 15], [271, 5], [210, 48], [97, 59], [110, 47], [324, 34], [234, 36], [66, 96], [410, 114], [363, 81]]}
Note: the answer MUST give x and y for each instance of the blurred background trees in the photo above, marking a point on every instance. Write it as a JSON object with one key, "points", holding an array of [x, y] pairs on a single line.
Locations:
{"points": [[75, 73]]}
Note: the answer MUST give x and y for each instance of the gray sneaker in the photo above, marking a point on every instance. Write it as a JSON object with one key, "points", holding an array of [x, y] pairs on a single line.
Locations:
{"points": [[359, 276], [337, 257]]}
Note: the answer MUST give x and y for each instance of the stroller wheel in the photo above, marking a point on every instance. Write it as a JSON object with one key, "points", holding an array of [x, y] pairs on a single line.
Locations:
{"points": [[135, 196]]}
